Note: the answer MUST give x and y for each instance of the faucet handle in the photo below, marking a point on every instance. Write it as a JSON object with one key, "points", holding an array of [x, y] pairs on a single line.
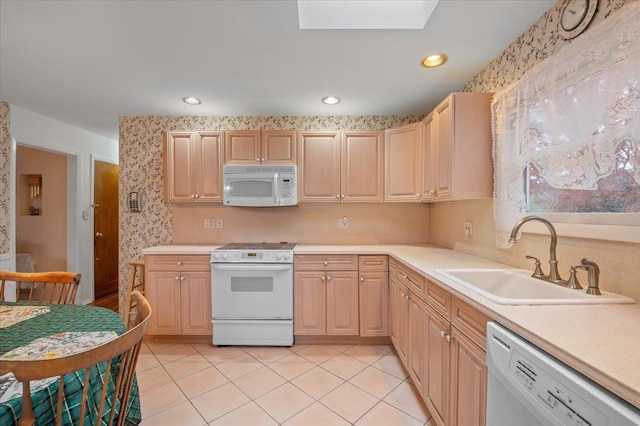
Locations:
{"points": [[572, 282], [537, 273], [594, 276]]}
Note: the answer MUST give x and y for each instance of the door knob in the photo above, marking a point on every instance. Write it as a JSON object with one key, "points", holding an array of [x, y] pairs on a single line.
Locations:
{"points": [[99, 235]]}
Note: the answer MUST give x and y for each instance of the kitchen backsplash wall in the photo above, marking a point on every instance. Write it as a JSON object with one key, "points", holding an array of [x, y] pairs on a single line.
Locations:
{"points": [[618, 261], [5, 147], [141, 169]]}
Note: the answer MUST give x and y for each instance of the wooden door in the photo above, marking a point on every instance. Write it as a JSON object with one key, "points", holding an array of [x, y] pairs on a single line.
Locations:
{"points": [[105, 229], [403, 163], [436, 369], [242, 147], [163, 292], [404, 325], [362, 167], [429, 153], [342, 303], [374, 303], [208, 178], [319, 167], [278, 147], [195, 290], [444, 154], [309, 303], [179, 167], [468, 391], [416, 336]]}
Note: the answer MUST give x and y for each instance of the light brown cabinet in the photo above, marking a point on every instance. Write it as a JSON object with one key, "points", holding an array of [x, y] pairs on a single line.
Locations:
{"points": [[440, 341], [341, 166], [260, 147], [403, 169], [192, 166], [374, 295], [325, 295], [179, 291], [457, 144]]}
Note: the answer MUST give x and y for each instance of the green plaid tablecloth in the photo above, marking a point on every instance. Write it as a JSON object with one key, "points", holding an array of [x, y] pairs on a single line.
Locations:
{"points": [[63, 318]]}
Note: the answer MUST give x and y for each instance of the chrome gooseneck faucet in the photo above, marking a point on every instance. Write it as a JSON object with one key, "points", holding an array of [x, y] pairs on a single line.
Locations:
{"points": [[554, 275]]}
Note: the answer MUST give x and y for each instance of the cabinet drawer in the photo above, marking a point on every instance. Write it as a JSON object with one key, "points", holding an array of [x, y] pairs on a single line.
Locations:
{"points": [[438, 298], [470, 321], [412, 279], [327, 262], [190, 262], [373, 263], [393, 265]]}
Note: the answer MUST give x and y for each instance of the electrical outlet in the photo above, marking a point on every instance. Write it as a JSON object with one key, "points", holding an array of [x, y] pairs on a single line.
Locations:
{"points": [[210, 223], [468, 230], [343, 223], [219, 223]]}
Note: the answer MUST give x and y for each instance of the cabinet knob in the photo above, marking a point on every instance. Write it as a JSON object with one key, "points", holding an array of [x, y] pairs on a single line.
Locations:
{"points": [[325, 263], [329, 278], [179, 263], [197, 195], [322, 278], [362, 279], [181, 277], [342, 196], [262, 159], [432, 192], [337, 196], [177, 278], [257, 159], [418, 194]]}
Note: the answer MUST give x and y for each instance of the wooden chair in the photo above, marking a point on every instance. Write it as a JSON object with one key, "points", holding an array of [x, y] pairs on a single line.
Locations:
{"points": [[44, 287], [137, 269], [120, 356]]}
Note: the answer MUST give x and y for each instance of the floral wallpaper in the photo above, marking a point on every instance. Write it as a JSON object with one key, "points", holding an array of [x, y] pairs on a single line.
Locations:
{"points": [[540, 41], [5, 146], [141, 167]]}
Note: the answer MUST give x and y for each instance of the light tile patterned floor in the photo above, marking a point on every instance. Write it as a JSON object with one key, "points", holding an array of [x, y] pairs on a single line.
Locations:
{"points": [[324, 385]]}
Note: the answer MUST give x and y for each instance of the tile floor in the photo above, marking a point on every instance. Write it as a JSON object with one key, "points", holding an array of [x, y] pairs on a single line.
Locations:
{"points": [[199, 384]]}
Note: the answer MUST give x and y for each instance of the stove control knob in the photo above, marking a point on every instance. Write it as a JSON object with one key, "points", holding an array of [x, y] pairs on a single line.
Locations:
{"points": [[279, 256], [287, 256], [224, 255], [216, 255]]}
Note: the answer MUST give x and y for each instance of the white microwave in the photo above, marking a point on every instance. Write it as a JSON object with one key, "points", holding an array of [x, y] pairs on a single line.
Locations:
{"points": [[260, 186]]}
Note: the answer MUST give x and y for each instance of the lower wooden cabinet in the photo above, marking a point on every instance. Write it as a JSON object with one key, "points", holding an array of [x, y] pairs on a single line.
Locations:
{"points": [[325, 303], [468, 382], [437, 351], [374, 295], [179, 291]]}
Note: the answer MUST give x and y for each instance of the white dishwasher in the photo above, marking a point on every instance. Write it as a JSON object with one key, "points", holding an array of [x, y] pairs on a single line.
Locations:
{"points": [[528, 387]]}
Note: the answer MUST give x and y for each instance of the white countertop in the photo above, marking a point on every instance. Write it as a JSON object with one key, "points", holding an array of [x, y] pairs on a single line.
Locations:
{"points": [[600, 341]]}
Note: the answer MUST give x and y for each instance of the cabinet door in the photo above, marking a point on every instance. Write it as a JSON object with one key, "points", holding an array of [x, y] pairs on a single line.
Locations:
{"points": [[342, 303], [416, 336], [278, 147], [429, 157], [195, 289], [394, 310], [362, 168], [468, 382], [404, 325], [208, 178], [163, 293], [403, 163], [436, 369], [242, 147], [444, 152], [319, 167], [310, 303], [179, 167], [374, 303]]}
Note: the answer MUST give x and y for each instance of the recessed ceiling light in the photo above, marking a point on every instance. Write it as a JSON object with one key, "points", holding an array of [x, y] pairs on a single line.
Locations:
{"points": [[434, 60], [191, 100], [330, 100]]}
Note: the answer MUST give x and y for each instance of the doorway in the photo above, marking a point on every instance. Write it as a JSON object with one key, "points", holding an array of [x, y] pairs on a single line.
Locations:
{"points": [[105, 228]]}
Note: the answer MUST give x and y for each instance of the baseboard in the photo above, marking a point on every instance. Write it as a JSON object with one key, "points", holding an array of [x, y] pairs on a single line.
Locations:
{"points": [[341, 340]]}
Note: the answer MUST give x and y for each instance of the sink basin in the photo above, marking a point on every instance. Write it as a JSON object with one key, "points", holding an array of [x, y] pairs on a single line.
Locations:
{"points": [[517, 287]]}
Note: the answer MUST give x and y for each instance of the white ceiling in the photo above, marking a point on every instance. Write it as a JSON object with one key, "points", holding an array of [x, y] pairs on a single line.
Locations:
{"points": [[87, 62]]}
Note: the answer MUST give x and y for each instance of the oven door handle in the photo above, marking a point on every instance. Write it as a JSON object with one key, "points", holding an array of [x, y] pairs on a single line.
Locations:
{"points": [[250, 266]]}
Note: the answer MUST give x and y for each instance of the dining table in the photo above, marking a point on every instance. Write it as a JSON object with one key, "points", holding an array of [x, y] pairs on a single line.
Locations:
{"points": [[31, 331]]}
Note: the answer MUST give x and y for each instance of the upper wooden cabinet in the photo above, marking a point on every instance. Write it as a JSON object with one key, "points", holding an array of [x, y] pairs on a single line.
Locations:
{"points": [[260, 147], [193, 166], [457, 157], [403, 163], [340, 166]]}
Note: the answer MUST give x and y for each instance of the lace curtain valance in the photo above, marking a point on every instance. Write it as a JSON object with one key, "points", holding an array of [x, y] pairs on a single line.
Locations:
{"points": [[567, 115]]}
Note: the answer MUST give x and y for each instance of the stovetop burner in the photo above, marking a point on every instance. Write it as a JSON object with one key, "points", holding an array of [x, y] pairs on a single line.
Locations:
{"points": [[259, 246]]}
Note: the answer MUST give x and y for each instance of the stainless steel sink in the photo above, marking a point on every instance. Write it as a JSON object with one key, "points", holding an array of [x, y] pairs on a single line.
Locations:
{"points": [[516, 287]]}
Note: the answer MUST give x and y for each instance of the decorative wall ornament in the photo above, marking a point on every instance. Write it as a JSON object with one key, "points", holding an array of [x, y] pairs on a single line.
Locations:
{"points": [[5, 148], [568, 115]]}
